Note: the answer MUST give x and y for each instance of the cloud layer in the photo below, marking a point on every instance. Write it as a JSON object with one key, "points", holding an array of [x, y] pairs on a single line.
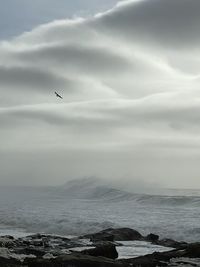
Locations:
{"points": [[130, 82]]}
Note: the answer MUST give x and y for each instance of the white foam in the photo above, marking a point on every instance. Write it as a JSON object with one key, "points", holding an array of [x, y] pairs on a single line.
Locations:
{"points": [[132, 249]]}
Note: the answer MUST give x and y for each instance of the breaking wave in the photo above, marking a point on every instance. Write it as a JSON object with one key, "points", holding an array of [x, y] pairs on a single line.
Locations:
{"points": [[85, 189]]}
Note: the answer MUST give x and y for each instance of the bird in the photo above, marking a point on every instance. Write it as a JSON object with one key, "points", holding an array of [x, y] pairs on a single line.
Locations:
{"points": [[58, 95]]}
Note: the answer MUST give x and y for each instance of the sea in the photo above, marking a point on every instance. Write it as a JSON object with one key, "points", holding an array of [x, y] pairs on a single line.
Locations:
{"points": [[83, 206]]}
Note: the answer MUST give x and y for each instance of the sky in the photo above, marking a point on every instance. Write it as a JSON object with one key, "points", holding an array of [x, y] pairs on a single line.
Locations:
{"points": [[129, 75], [18, 16]]}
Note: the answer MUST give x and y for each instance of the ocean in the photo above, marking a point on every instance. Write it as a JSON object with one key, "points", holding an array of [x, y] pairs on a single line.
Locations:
{"points": [[79, 208]]}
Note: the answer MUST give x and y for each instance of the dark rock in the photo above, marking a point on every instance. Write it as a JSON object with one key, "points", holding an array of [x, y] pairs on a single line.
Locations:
{"points": [[8, 259], [38, 252], [184, 262], [153, 260], [171, 243], [103, 237], [193, 250], [9, 262], [152, 238], [108, 251], [120, 234], [75, 260]]}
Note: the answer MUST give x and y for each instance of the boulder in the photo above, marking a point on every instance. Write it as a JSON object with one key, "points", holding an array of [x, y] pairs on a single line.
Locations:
{"points": [[152, 238], [108, 251], [119, 234], [192, 250]]}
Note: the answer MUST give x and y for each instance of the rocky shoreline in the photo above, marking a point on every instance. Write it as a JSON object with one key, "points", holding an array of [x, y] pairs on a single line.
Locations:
{"points": [[93, 250]]}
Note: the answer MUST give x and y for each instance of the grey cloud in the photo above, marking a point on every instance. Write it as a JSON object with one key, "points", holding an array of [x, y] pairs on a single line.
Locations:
{"points": [[78, 116], [15, 77], [87, 59], [172, 24], [145, 114]]}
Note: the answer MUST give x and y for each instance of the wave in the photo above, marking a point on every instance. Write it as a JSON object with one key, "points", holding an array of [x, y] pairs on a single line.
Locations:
{"points": [[168, 200], [93, 189]]}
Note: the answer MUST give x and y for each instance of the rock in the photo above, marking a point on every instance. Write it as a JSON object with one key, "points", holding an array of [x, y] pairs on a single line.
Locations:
{"points": [[171, 243], [49, 256], [103, 237], [153, 260], [120, 234], [8, 237], [152, 238], [10, 259], [108, 251], [38, 252], [9, 263], [192, 250], [46, 242], [184, 262], [6, 241], [74, 260]]}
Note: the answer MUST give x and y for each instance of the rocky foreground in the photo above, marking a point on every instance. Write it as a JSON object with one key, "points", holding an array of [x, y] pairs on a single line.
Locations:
{"points": [[93, 250]]}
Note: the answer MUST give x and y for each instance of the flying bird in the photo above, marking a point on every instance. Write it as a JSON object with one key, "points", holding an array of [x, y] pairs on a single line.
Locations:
{"points": [[58, 95]]}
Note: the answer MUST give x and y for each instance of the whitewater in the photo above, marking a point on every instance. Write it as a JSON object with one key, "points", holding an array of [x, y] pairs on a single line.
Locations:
{"points": [[81, 207]]}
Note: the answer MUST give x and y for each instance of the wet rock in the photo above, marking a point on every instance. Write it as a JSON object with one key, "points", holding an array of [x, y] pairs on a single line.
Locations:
{"points": [[184, 262], [193, 250], [47, 242], [6, 241], [103, 237], [108, 251], [38, 252], [49, 256], [10, 259], [120, 234], [152, 260], [171, 243], [8, 237], [74, 260], [152, 238]]}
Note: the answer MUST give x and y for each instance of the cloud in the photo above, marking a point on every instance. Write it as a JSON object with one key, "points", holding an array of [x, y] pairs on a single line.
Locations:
{"points": [[18, 77], [89, 60], [129, 78]]}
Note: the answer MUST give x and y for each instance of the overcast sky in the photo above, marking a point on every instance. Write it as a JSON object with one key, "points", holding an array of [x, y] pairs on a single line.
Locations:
{"points": [[130, 81]]}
